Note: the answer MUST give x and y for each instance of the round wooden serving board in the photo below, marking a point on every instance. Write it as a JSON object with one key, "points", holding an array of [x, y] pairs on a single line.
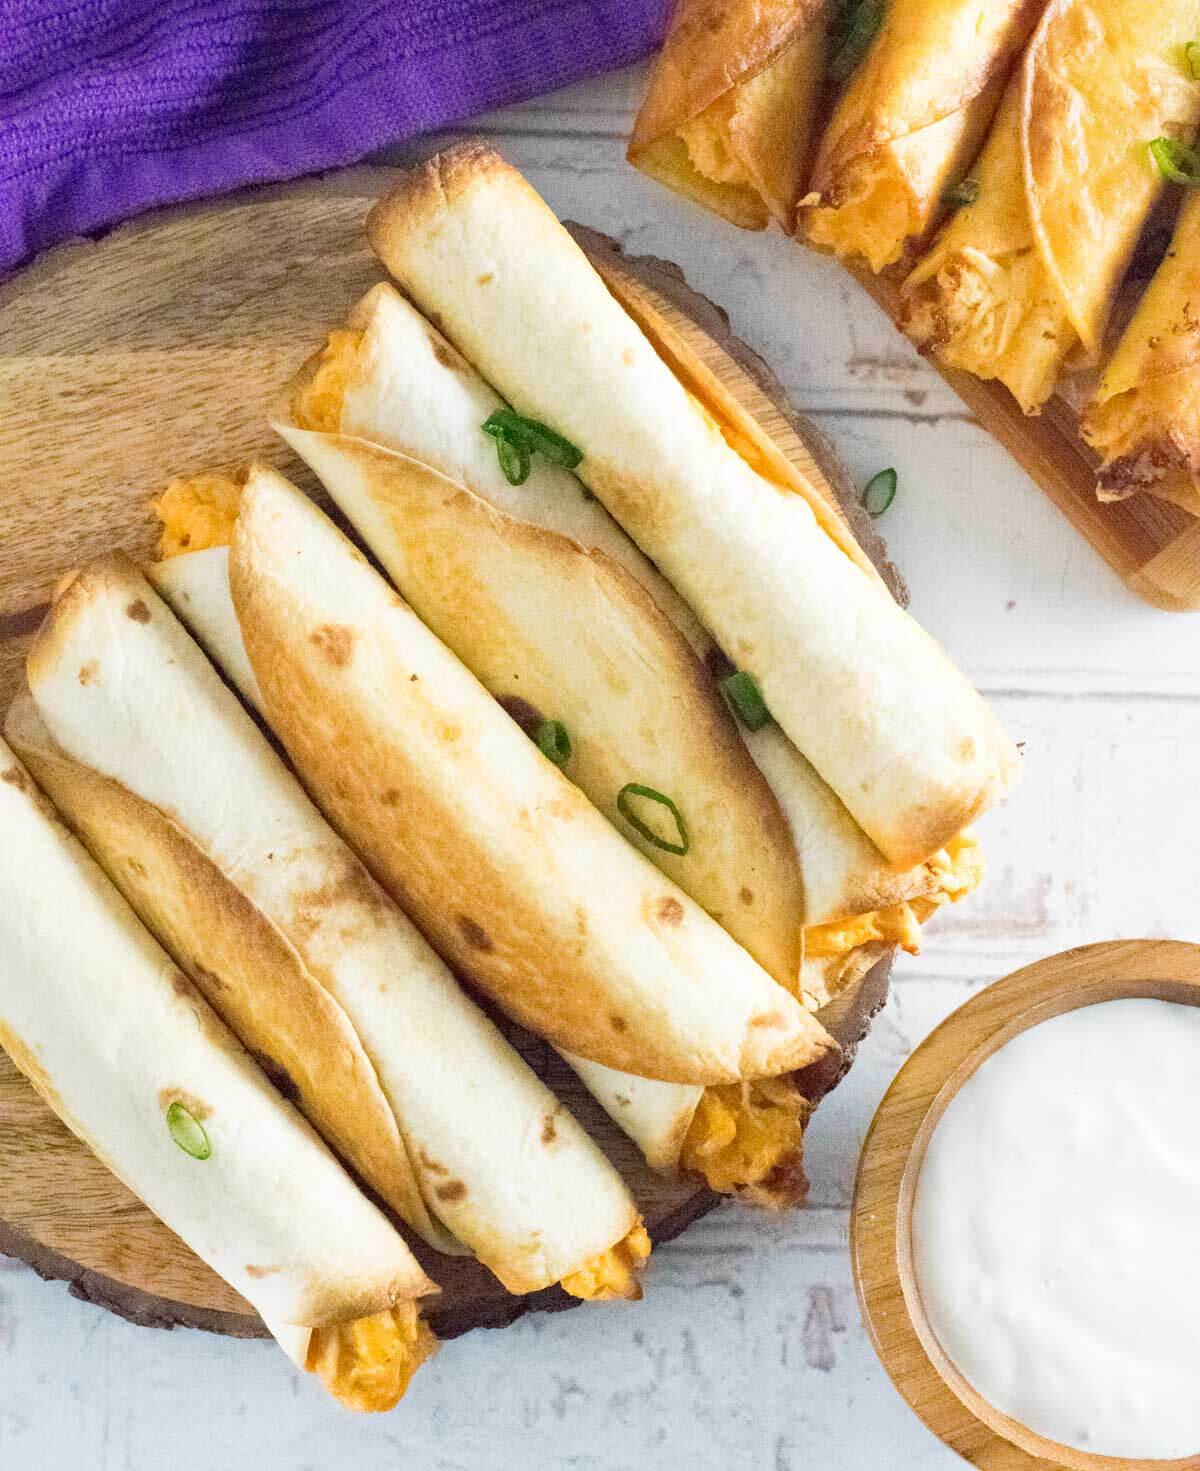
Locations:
{"points": [[157, 352], [881, 1216]]}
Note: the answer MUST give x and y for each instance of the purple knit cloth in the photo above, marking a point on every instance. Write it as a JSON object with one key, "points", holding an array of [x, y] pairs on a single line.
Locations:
{"points": [[109, 107]]}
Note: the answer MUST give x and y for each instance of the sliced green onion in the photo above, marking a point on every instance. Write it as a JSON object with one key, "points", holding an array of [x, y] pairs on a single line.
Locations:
{"points": [[187, 1131], [963, 193], [1191, 54], [625, 807], [853, 31], [515, 460], [879, 492], [1176, 162], [745, 698], [553, 742], [518, 438]]}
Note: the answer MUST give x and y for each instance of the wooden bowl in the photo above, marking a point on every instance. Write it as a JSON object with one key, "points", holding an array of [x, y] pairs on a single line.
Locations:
{"points": [[881, 1216]]}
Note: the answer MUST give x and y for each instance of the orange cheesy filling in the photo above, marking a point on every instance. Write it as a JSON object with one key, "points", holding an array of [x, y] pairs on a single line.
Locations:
{"points": [[958, 868], [197, 513], [616, 1272], [317, 404], [748, 1139], [367, 1364]]}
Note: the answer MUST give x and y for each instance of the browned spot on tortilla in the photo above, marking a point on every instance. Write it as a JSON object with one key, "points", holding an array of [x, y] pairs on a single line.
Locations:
{"points": [[629, 357], [669, 910], [137, 868], [443, 354], [967, 748], [449, 731], [618, 1023], [432, 1165], [138, 611], [767, 1019], [486, 277], [208, 979], [278, 1076], [335, 641], [27, 1060], [746, 895], [258, 1272], [181, 985], [15, 777], [549, 1127], [474, 934], [527, 716], [352, 886], [88, 671], [168, 1096], [390, 798], [451, 1190], [621, 1100]]}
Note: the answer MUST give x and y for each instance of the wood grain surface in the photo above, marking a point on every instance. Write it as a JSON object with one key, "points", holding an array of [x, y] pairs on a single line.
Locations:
{"points": [[158, 352], [881, 1215]]}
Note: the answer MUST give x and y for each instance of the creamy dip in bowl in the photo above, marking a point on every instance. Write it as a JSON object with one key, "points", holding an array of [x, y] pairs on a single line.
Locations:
{"points": [[1056, 1229], [1025, 1231]]}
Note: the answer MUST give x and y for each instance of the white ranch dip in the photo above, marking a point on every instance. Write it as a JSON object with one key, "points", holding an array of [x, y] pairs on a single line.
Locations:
{"points": [[1056, 1229]]}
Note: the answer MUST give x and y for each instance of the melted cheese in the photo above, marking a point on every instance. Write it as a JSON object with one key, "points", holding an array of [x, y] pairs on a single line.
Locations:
{"points": [[709, 146], [197, 513], [317, 404], [748, 1139], [616, 1272], [367, 1364], [958, 869]]}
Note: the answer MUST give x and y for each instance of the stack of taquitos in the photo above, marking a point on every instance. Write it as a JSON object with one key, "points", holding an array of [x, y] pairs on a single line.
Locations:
{"points": [[658, 1104], [216, 845], [129, 1055], [1023, 278], [563, 618]]}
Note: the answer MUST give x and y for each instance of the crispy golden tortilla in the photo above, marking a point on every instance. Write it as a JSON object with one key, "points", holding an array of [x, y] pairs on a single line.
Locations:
{"points": [[1145, 415], [114, 1035], [730, 111], [501, 1168], [501, 860], [1025, 278], [910, 123], [857, 686]]}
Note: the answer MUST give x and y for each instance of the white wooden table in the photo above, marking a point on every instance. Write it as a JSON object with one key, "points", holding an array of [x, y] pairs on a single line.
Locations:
{"points": [[748, 1351]]}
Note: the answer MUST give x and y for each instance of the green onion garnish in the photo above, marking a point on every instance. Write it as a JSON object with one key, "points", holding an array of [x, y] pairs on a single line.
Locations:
{"points": [[626, 809], [745, 698], [963, 193], [518, 439], [515, 460], [1176, 162], [853, 30], [553, 742], [1191, 54], [879, 492], [187, 1131]]}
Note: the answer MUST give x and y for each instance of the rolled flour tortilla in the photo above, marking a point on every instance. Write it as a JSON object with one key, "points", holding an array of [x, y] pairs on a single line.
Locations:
{"points": [[750, 1145], [732, 104], [746, 1140], [129, 1055], [523, 589], [500, 859], [1020, 284], [861, 690], [215, 842], [910, 123]]}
